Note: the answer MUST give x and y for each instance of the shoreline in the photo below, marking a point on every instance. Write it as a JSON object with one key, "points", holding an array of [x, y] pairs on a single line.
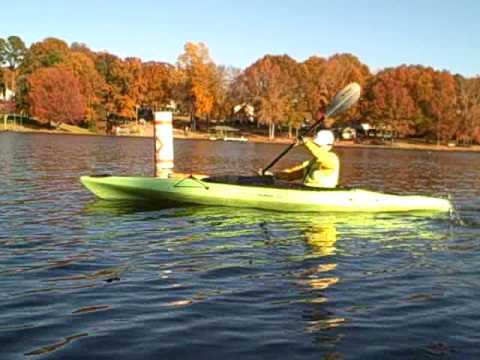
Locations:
{"points": [[180, 134]]}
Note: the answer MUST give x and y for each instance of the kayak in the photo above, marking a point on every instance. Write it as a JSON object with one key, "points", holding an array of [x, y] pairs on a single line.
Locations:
{"points": [[264, 195]]}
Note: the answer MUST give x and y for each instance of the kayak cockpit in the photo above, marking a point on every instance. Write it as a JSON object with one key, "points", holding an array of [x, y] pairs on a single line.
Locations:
{"points": [[265, 181]]}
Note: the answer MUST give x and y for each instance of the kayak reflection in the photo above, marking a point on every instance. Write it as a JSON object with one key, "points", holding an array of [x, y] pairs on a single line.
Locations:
{"points": [[321, 242], [124, 207], [320, 231], [321, 238], [303, 259], [320, 275]]}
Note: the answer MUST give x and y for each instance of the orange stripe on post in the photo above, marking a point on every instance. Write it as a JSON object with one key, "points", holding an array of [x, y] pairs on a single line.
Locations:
{"points": [[162, 122], [164, 162]]}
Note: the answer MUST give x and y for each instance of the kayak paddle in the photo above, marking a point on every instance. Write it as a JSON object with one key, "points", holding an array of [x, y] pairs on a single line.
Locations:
{"points": [[342, 101]]}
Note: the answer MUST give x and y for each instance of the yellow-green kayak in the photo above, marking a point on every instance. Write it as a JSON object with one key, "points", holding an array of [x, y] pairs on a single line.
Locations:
{"points": [[205, 191]]}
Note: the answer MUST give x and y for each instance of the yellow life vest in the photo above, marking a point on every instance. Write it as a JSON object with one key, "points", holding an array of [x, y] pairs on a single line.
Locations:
{"points": [[323, 170]]}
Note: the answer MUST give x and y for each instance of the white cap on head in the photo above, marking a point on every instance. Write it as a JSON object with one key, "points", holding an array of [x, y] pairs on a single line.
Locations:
{"points": [[324, 138]]}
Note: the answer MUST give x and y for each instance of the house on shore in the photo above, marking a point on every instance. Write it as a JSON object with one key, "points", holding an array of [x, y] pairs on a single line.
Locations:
{"points": [[244, 111], [6, 94]]}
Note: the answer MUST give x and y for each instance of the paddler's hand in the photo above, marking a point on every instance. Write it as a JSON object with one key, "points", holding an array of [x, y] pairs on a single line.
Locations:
{"points": [[298, 141], [267, 173]]}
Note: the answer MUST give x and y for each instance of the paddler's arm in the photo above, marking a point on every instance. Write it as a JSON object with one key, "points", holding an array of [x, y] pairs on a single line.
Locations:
{"points": [[326, 158], [293, 173]]}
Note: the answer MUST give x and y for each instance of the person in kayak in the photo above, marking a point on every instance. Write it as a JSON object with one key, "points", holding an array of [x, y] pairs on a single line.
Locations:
{"points": [[323, 170]]}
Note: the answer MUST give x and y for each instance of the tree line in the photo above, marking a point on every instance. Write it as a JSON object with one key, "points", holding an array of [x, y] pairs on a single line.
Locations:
{"points": [[55, 82]]}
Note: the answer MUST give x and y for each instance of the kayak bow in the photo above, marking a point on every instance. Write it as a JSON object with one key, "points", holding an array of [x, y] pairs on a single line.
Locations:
{"points": [[192, 190]]}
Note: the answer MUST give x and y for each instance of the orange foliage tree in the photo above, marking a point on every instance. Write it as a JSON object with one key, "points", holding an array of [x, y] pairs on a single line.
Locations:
{"points": [[158, 84], [135, 86], [436, 96], [316, 94], [468, 100], [92, 85], [55, 96], [197, 76], [412, 100], [270, 85], [388, 102], [119, 82]]}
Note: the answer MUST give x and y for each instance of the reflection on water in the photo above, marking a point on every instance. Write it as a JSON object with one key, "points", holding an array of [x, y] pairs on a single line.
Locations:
{"points": [[88, 279], [56, 346], [319, 270], [322, 237]]}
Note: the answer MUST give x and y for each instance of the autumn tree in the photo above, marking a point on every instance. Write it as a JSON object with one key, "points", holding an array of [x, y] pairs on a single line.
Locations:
{"points": [[325, 77], [158, 79], [105, 64], [223, 91], [444, 107], [84, 49], [468, 101], [293, 77], [92, 85], [55, 96], [116, 74], [316, 92], [45, 53], [414, 100], [343, 69], [388, 101], [197, 74], [271, 85], [135, 86], [435, 95]]}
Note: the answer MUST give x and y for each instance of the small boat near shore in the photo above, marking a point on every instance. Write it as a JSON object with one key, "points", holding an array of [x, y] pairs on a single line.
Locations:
{"points": [[229, 138], [227, 133], [255, 192], [233, 138]]}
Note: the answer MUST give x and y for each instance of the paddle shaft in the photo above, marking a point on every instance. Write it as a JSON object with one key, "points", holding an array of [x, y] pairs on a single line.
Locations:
{"points": [[289, 147]]}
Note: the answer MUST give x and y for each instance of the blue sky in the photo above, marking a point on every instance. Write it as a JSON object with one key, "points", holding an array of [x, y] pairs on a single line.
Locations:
{"points": [[444, 34]]}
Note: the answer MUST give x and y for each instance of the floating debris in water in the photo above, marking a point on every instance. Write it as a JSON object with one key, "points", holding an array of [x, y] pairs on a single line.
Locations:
{"points": [[420, 297], [53, 347], [439, 348], [333, 356], [89, 309]]}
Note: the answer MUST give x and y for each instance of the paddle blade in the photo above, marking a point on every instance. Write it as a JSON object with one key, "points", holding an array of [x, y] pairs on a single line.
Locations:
{"points": [[343, 100]]}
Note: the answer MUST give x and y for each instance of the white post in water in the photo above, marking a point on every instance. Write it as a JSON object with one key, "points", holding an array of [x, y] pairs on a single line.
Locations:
{"points": [[163, 134]]}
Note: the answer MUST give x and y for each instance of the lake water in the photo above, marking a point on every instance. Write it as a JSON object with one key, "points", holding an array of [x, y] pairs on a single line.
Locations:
{"points": [[87, 279]]}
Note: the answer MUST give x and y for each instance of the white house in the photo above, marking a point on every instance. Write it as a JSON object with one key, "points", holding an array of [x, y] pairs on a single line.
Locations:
{"points": [[248, 110], [6, 94]]}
